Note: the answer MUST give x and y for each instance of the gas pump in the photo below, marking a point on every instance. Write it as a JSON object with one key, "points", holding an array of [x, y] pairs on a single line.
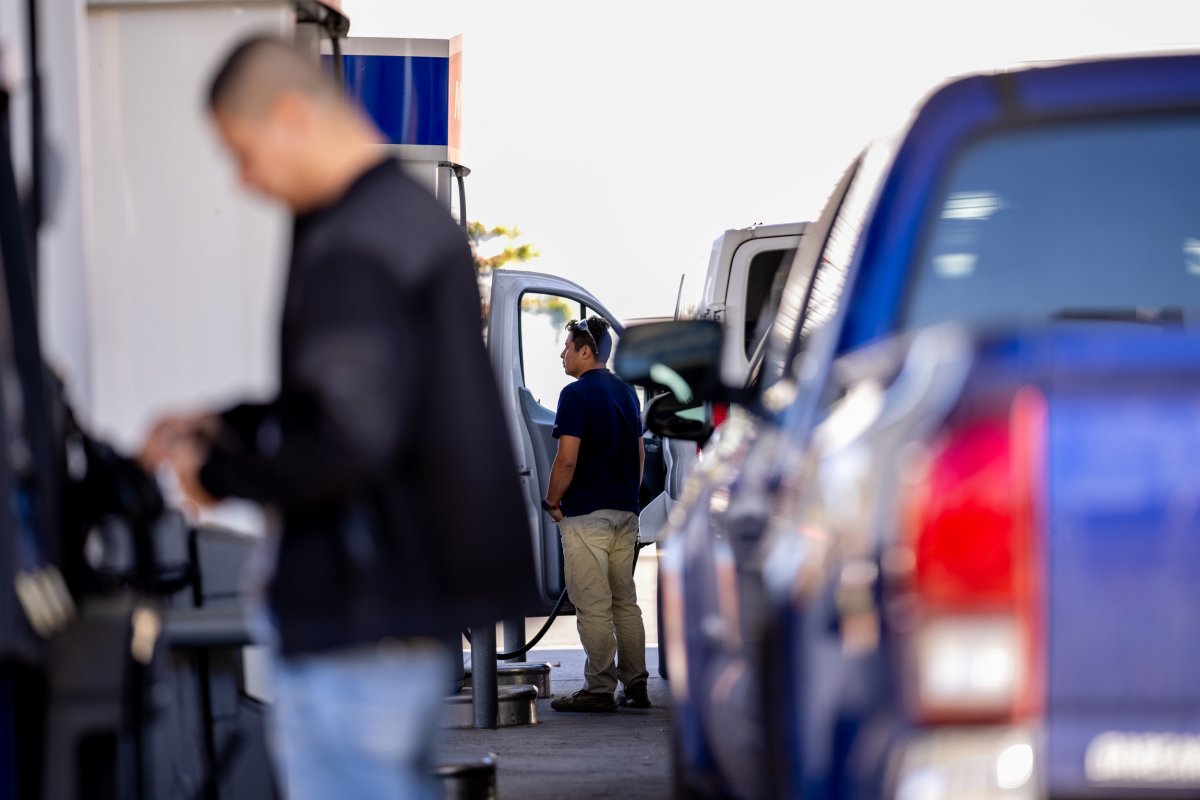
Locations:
{"points": [[122, 668], [412, 88]]}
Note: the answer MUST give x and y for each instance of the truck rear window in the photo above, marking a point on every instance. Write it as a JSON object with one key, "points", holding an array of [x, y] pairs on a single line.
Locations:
{"points": [[1086, 220]]}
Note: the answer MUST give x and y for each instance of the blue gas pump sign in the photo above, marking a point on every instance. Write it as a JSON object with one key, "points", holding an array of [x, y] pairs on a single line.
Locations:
{"points": [[412, 88]]}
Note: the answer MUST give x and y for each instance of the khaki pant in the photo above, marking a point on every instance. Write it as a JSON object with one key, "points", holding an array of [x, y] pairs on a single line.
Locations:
{"points": [[598, 553]]}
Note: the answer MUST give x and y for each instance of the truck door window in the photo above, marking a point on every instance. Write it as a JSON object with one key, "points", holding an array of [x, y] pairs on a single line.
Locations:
{"points": [[544, 319], [764, 287]]}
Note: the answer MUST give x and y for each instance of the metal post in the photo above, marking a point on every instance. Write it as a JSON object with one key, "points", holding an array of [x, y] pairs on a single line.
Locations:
{"points": [[514, 637], [484, 699], [443, 184]]}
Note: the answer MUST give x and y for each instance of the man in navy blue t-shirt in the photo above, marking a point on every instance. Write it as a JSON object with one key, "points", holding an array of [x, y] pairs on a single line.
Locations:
{"points": [[594, 497]]}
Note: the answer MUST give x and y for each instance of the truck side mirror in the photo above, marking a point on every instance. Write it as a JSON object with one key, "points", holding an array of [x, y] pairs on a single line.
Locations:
{"points": [[668, 417], [681, 356]]}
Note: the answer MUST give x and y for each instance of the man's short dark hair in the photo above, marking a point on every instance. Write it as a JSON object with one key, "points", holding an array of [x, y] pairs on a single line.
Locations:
{"points": [[259, 69], [591, 332]]}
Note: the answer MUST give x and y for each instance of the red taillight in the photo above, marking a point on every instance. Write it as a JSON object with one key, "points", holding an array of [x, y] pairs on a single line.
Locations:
{"points": [[720, 413], [971, 523], [964, 517]]}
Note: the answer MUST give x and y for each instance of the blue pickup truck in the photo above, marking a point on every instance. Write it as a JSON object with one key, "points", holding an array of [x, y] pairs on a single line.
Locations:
{"points": [[947, 544]]}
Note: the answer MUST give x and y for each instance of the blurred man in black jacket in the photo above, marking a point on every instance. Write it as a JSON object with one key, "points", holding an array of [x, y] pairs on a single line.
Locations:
{"points": [[385, 452]]}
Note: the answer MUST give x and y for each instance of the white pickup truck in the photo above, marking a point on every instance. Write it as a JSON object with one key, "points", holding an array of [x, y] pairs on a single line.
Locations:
{"points": [[746, 273], [527, 315]]}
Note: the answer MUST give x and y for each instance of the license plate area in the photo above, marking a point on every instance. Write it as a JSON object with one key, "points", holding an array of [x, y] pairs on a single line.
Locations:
{"points": [[1144, 760]]}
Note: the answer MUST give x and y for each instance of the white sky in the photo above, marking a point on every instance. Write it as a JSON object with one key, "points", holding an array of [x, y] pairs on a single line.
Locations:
{"points": [[623, 137]]}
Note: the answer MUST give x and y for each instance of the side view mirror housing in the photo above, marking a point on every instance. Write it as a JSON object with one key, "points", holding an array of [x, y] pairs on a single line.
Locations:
{"points": [[681, 356], [668, 417], [680, 363]]}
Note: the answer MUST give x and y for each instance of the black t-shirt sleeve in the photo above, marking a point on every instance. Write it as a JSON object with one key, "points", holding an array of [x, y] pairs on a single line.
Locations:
{"points": [[571, 417]]}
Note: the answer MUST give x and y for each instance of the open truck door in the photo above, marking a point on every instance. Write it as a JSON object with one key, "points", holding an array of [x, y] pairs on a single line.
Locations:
{"points": [[526, 334]]}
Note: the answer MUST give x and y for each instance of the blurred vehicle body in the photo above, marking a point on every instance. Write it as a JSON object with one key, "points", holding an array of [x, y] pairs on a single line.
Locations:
{"points": [[744, 291], [948, 552]]}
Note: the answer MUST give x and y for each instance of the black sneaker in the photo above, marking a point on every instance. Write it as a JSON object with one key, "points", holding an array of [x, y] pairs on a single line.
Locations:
{"points": [[634, 696], [584, 700]]}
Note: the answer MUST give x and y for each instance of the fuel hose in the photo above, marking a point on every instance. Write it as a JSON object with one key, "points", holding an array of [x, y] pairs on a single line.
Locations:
{"points": [[554, 612]]}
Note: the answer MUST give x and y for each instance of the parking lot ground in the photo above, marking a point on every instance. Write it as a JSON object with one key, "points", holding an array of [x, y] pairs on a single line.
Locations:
{"points": [[625, 754]]}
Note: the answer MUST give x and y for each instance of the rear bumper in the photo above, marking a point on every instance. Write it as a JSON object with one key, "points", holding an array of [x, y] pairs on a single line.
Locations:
{"points": [[966, 763]]}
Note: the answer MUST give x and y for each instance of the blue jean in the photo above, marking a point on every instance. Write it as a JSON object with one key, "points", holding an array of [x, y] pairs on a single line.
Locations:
{"points": [[359, 723]]}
